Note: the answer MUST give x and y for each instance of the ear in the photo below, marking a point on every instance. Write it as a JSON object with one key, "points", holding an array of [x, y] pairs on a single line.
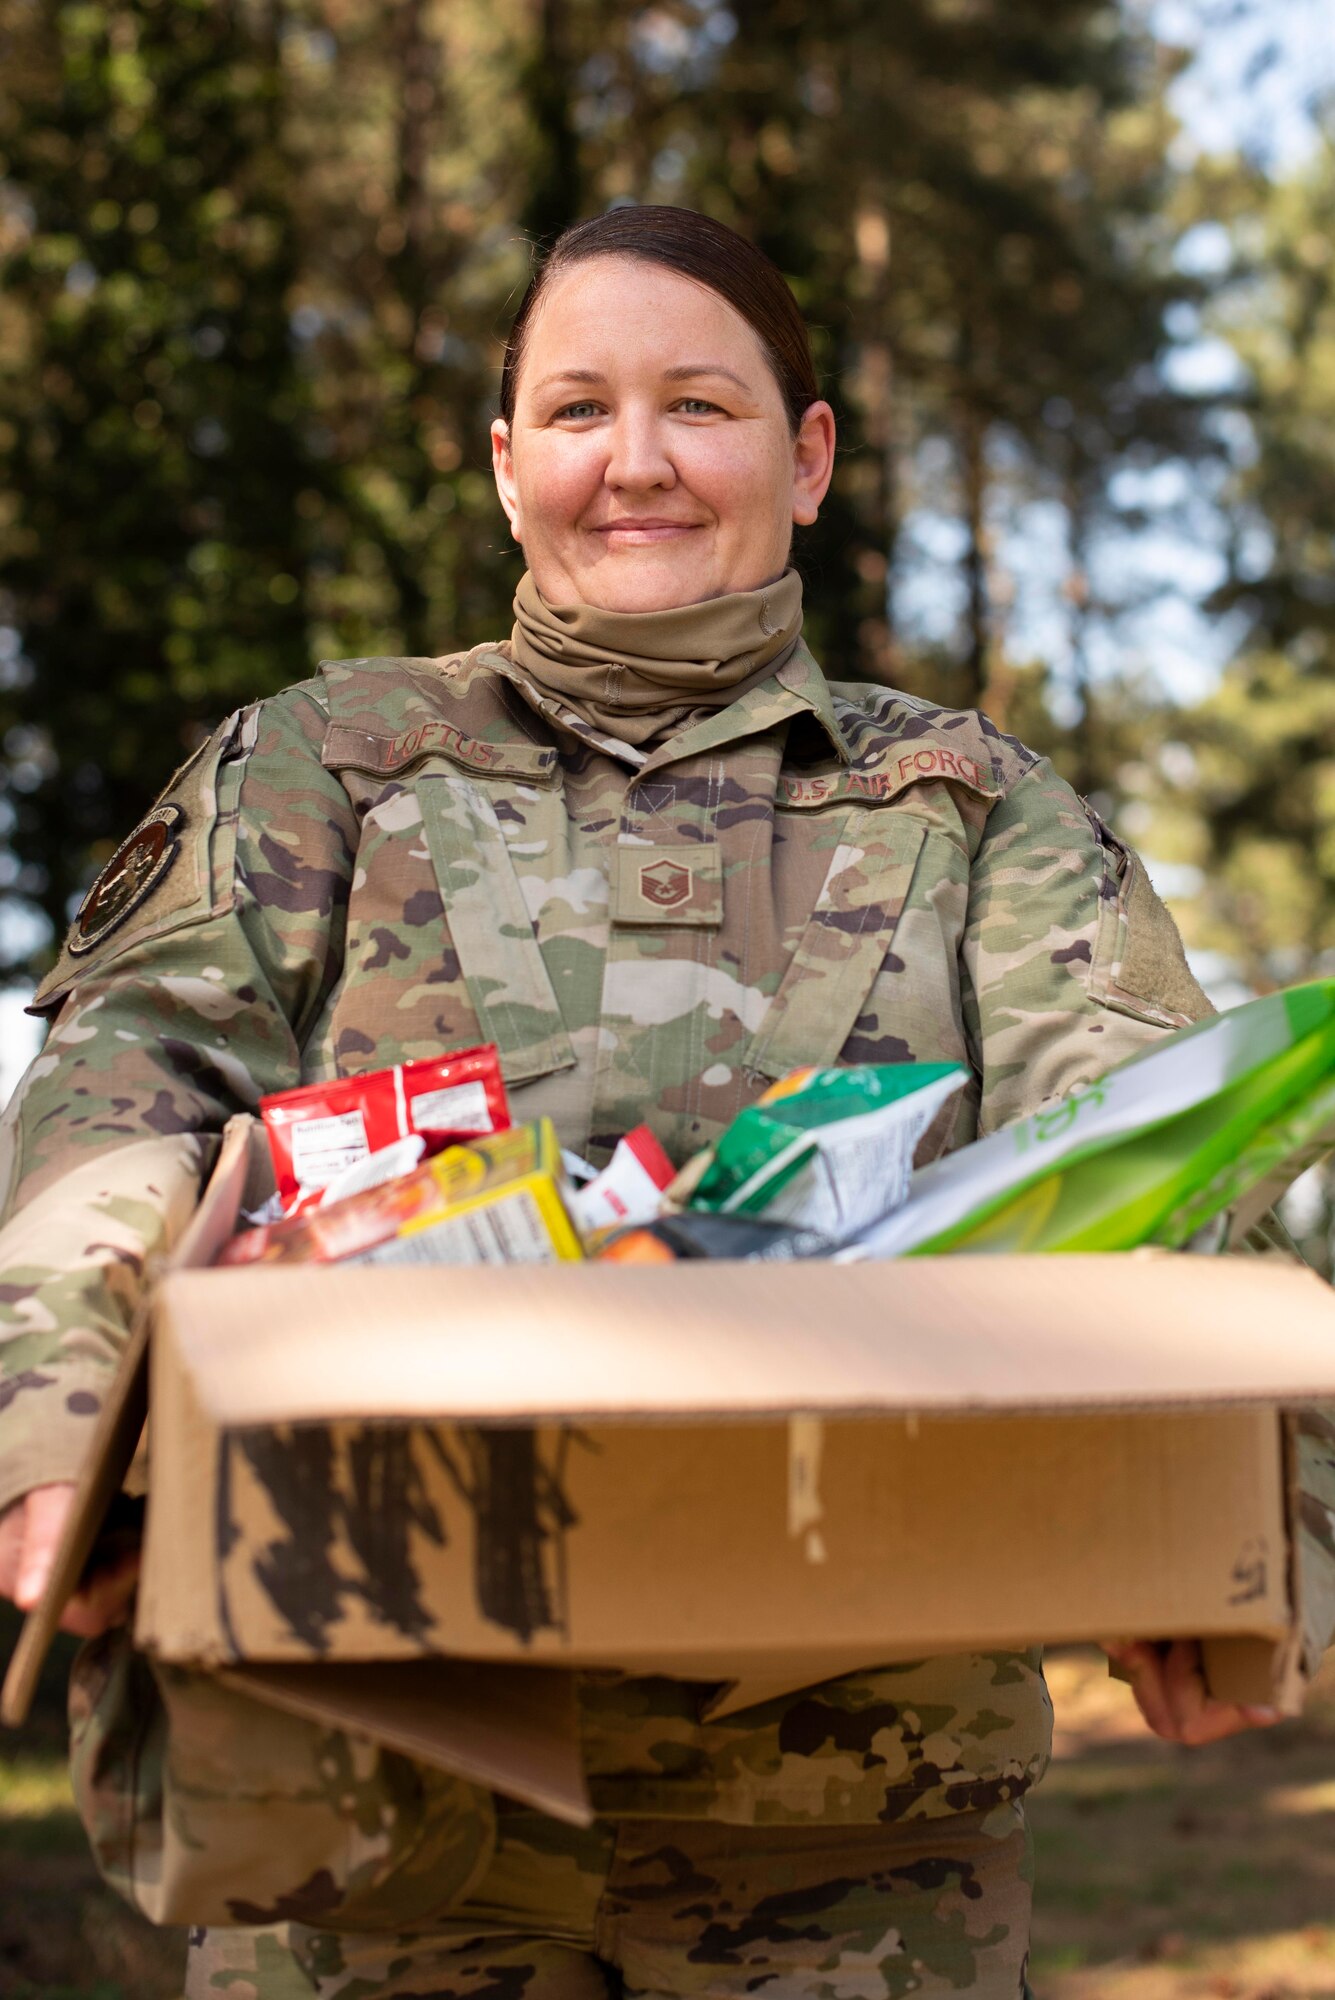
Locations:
{"points": [[813, 462], [503, 471]]}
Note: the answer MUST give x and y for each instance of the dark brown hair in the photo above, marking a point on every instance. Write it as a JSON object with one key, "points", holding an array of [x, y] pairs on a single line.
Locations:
{"points": [[698, 248]]}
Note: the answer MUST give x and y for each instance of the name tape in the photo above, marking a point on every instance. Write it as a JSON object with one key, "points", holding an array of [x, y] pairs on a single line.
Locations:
{"points": [[434, 738], [934, 761]]}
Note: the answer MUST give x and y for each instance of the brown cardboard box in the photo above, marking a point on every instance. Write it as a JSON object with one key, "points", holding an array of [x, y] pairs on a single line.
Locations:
{"points": [[751, 1474], [724, 1471]]}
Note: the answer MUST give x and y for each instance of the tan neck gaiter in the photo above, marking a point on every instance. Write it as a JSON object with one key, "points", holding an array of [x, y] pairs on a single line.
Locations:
{"points": [[643, 675]]}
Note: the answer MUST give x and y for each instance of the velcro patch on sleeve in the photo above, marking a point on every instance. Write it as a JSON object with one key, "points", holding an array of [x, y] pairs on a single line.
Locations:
{"points": [[159, 877], [138, 867]]}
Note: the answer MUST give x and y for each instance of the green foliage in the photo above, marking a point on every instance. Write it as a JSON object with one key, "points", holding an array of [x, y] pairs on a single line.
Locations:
{"points": [[1259, 782], [256, 263], [153, 424]]}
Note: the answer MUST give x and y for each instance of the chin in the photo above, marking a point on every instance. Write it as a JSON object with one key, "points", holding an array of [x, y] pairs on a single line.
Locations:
{"points": [[626, 585]]}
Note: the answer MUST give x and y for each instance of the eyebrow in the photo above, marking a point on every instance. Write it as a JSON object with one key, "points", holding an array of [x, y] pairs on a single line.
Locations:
{"points": [[687, 371], [690, 369]]}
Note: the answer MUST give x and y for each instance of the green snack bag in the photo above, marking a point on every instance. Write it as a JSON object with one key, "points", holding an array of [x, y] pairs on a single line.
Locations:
{"points": [[827, 1149], [1220, 1116]]}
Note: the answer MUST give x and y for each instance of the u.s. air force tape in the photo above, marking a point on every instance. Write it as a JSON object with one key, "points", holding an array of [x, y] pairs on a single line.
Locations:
{"points": [[129, 878]]}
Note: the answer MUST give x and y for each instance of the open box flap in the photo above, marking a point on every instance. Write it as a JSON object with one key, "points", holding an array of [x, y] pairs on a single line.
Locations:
{"points": [[512, 1729], [947, 1335]]}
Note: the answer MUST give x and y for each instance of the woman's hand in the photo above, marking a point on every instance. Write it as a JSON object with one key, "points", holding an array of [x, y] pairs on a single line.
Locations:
{"points": [[30, 1534], [1169, 1686]]}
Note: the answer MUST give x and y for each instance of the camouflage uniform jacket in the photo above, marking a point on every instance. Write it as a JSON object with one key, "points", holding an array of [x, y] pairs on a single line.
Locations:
{"points": [[405, 855]]}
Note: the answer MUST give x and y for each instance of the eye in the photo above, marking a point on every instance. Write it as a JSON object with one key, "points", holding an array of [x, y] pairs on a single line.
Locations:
{"points": [[697, 406], [577, 412]]}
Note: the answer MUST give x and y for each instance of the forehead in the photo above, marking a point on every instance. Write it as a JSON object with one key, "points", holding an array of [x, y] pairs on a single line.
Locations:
{"points": [[616, 313]]}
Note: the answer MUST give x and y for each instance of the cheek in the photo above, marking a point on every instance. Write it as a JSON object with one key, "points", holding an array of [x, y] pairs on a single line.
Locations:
{"points": [[555, 480], [735, 482]]}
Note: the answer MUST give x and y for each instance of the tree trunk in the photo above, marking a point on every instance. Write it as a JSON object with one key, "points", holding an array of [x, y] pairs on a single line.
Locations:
{"points": [[976, 663], [1084, 766], [556, 191]]}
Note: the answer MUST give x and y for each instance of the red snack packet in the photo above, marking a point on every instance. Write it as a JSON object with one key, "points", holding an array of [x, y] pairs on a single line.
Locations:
{"points": [[455, 1179], [318, 1131]]}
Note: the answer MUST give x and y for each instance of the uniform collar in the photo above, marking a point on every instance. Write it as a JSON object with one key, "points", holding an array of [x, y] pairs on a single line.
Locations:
{"points": [[797, 688]]}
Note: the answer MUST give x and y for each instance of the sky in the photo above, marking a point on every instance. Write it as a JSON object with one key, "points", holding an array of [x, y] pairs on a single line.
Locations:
{"points": [[1259, 69]]}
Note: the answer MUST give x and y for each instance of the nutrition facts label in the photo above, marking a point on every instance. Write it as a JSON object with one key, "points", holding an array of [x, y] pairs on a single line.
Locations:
{"points": [[510, 1230], [323, 1148]]}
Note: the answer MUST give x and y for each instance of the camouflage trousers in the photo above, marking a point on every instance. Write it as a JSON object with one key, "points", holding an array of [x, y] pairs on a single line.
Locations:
{"points": [[667, 1908]]}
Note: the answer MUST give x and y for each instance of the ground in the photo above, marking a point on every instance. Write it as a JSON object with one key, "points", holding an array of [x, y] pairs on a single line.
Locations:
{"points": [[1163, 1874], [63, 1936]]}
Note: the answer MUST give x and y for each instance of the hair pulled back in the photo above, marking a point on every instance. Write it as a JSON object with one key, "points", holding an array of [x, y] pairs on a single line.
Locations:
{"points": [[697, 247]]}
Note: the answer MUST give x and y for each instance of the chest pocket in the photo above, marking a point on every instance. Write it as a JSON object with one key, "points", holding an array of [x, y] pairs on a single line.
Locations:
{"points": [[498, 951], [845, 941]]}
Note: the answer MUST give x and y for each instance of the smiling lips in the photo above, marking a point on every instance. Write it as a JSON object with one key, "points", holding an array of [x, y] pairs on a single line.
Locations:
{"points": [[633, 532]]}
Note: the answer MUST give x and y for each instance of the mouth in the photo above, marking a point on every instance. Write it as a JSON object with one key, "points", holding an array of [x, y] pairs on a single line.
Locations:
{"points": [[645, 533]]}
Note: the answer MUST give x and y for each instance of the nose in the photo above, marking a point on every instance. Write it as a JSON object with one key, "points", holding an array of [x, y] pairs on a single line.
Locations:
{"points": [[638, 459]]}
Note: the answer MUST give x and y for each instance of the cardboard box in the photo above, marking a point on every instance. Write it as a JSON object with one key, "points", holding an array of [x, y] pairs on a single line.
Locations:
{"points": [[721, 1470], [757, 1475]]}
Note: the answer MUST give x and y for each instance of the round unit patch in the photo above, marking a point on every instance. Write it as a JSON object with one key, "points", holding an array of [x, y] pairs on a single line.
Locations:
{"points": [[129, 878]]}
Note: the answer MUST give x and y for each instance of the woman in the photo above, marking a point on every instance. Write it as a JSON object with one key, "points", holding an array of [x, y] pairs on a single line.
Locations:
{"points": [[649, 851]]}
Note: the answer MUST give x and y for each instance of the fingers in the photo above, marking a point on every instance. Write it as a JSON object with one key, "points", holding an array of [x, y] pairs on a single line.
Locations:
{"points": [[12, 1528], [1143, 1665], [1199, 1717], [103, 1601], [30, 1533], [45, 1510], [1169, 1687]]}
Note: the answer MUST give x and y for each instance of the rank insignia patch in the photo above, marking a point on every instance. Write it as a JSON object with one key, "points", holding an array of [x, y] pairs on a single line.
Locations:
{"points": [[666, 883], [129, 878]]}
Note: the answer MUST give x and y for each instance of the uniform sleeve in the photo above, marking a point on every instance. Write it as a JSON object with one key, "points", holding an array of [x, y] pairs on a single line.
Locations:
{"points": [[186, 988], [1072, 964], [1070, 961]]}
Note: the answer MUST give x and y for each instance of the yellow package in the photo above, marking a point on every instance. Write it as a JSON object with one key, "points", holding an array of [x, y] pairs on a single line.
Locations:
{"points": [[496, 1201]]}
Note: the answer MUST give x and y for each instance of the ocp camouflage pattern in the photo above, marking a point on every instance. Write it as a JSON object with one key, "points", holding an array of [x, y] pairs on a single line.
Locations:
{"points": [[829, 1913], [200, 1800], [407, 855]]}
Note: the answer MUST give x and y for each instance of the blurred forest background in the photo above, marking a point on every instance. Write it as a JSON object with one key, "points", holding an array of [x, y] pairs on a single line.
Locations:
{"points": [[257, 258], [256, 262]]}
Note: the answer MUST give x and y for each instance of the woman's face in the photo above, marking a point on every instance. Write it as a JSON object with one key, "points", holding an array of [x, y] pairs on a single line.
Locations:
{"points": [[650, 462]]}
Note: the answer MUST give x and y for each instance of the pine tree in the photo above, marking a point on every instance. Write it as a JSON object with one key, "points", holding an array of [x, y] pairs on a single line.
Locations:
{"points": [[151, 415]]}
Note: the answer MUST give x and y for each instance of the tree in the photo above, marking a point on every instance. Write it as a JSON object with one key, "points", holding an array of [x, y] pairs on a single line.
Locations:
{"points": [[256, 262], [152, 548], [1261, 778]]}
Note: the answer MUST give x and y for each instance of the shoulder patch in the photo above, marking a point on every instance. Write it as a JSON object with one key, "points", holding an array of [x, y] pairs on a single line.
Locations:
{"points": [[161, 875], [129, 878]]}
